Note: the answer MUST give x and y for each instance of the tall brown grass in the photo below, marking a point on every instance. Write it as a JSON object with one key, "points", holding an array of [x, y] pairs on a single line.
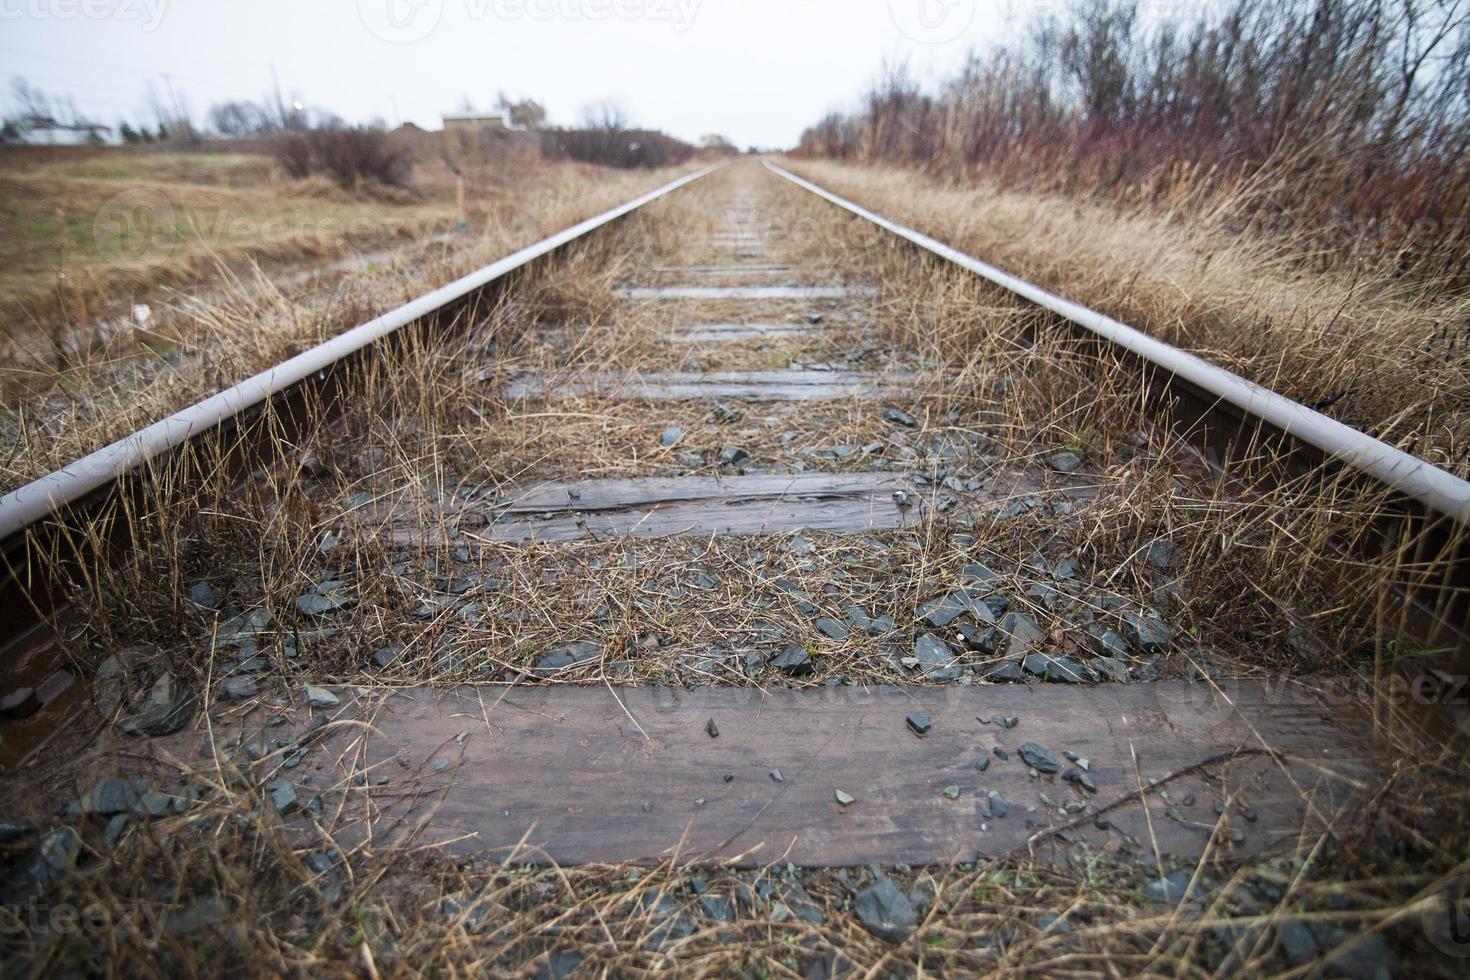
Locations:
{"points": [[1343, 121]]}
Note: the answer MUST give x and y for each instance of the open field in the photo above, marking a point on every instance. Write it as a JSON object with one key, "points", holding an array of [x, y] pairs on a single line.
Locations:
{"points": [[223, 304], [117, 226], [741, 454]]}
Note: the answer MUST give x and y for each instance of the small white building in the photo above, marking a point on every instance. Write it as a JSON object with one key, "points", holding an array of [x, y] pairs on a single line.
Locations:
{"points": [[44, 131], [473, 122]]}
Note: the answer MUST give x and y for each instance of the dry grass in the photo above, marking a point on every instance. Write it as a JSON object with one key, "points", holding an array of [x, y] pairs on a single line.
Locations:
{"points": [[1389, 358], [201, 341], [1259, 585]]}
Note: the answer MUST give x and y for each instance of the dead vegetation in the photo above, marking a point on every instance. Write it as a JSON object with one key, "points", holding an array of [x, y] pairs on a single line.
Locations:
{"points": [[1255, 582], [1385, 357], [112, 382]]}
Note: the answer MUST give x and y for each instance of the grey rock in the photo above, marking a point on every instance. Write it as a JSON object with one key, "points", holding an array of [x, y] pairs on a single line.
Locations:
{"points": [[320, 862], [320, 697], [315, 605], [793, 660], [669, 924], [690, 458], [1038, 758], [1148, 634], [156, 805], [1005, 672], [977, 573], [114, 795], [202, 595], [733, 456], [833, 628], [998, 805], [943, 611], [1160, 553], [283, 795], [114, 831], [1021, 631], [559, 965], [387, 656], [56, 855], [245, 626], [574, 654], [885, 911], [983, 639], [919, 723], [844, 798], [799, 902], [711, 729], [1059, 670], [197, 915], [899, 417], [1045, 595], [717, 907], [239, 688], [1080, 778], [1297, 942], [1113, 669], [1064, 462], [936, 659], [671, 437], [1106, 643], [1170, 889], [1008, 721]]}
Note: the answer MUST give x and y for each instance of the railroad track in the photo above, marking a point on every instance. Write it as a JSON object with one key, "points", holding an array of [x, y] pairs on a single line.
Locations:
{"points": [[755, 577]]}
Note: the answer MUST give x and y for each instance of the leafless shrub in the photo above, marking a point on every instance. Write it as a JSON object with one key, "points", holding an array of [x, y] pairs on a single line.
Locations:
{"points": [[1345, 119], [350, 157]]}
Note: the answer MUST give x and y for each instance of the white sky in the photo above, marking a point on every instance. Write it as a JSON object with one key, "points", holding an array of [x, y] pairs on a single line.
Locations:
{"points": [[758, 71]]}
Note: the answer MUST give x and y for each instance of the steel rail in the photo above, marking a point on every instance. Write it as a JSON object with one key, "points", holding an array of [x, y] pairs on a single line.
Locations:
{"points": [[1439, 491], [39, 499]]}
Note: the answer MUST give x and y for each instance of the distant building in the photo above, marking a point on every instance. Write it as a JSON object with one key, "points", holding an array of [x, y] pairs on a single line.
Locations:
{"points": [[45, 131], [473, 122]]}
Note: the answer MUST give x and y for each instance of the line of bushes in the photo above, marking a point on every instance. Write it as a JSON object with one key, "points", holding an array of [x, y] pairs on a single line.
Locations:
{"points": [[612, 147], [1346, 121]]}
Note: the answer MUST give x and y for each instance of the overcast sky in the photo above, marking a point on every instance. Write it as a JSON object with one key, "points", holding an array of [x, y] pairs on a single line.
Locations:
{"points": [[758, 71]]}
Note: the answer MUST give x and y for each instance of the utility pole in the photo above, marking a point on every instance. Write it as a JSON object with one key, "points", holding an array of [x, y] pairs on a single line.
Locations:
{"points": [[280, 106]]}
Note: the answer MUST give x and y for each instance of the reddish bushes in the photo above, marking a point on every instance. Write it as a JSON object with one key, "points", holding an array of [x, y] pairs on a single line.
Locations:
{"points": [[350, 157], [1345, 119]]}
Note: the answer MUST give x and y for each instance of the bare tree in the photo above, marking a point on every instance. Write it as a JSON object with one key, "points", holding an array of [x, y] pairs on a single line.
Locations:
{"points": [[608, 116], [526, 113], [31, 101]]}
